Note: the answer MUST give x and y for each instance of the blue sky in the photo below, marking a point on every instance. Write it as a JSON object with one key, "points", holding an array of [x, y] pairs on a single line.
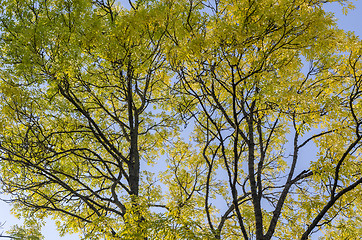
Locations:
{"points": [[351, 22]]}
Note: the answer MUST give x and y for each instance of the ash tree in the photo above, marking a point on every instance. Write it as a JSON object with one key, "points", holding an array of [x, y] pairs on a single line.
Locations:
{"points": [[95, 98]]}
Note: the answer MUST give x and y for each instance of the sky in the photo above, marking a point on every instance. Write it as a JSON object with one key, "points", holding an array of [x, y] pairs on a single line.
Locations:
{"points": [[351, 22]]}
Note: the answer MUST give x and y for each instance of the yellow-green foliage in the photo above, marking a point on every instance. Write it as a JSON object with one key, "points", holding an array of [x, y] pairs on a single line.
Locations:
{"points": [[95, 97]]}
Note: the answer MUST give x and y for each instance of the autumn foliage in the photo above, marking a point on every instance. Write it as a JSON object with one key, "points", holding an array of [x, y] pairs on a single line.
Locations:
{"points": [[182, 119]]}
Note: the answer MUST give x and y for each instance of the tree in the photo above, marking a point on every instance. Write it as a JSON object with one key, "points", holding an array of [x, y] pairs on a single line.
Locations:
{"points": [[249, 96], [80, 80], [93, 92]]}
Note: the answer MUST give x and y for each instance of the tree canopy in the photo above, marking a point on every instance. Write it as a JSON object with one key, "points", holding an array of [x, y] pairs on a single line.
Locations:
{"points": [[183, 119]]}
